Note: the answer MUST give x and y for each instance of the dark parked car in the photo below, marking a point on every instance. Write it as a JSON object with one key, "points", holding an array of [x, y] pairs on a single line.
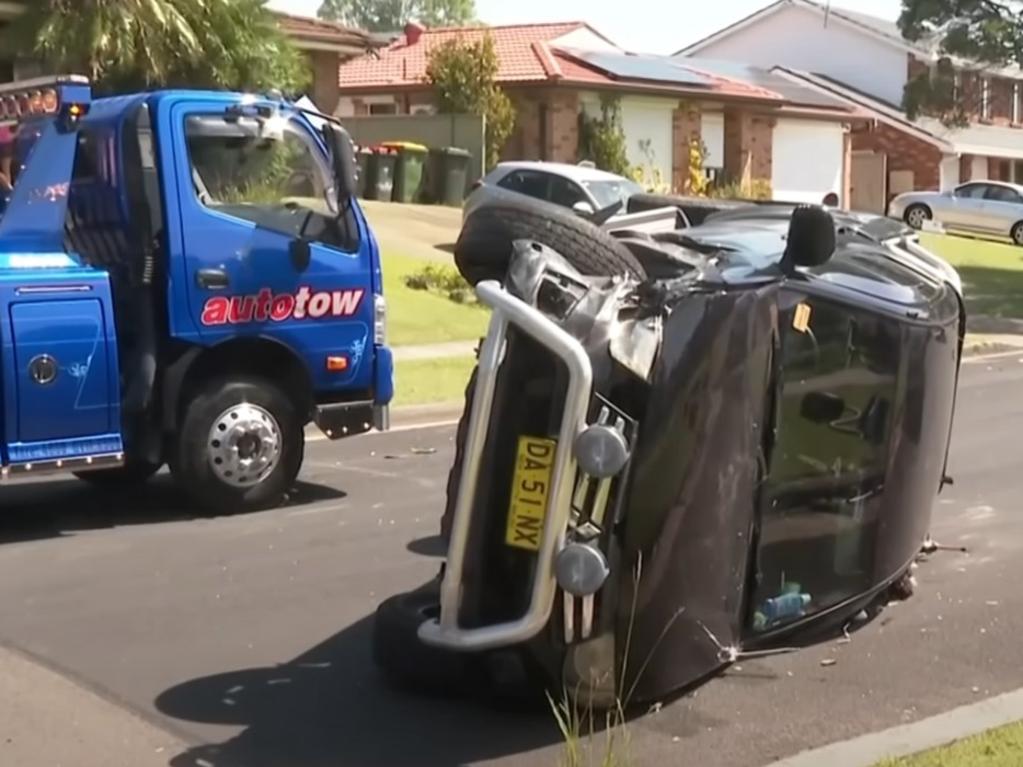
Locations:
{"points": [[681, 448]]}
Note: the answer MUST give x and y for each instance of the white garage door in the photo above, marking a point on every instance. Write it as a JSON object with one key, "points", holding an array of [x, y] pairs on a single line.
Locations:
{"points": [[807, 161], [646, 124]]}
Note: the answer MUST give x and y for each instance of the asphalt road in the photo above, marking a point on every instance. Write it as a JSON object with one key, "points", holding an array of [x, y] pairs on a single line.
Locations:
{"points": [[248, 636]]}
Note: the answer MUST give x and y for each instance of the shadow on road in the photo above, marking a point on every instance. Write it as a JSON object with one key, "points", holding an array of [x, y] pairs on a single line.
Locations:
{"points": [[329, 707], [58, 507]]}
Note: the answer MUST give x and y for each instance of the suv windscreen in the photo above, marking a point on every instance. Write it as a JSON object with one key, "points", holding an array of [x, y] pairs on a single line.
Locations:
{"points": [[607, 193]]}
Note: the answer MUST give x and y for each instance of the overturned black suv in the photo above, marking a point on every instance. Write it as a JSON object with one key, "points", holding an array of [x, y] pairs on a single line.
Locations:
{"points": [[682, 447]]}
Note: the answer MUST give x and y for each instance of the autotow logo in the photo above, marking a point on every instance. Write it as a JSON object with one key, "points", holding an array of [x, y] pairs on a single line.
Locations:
{"points": [[267, 306]]}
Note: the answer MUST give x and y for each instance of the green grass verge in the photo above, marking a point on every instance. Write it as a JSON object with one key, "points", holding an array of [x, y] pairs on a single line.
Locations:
{"points": [[992, 272], [420, 317], [425, 382], [1002, 747]]}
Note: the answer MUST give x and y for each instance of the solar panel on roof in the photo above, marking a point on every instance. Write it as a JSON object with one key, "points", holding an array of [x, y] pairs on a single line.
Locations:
{"points": [[637, 67], [765, 78]]}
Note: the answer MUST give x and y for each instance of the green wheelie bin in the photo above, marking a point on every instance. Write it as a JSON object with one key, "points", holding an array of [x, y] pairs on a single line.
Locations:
{"points": [[449, 167], [408, 171], [380, 174]]}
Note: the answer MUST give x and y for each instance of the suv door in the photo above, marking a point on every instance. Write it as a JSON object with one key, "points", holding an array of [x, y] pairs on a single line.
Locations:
{"points": [[263, 248], [821, 510]]}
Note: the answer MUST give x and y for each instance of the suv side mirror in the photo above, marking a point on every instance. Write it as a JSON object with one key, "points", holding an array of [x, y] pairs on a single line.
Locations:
{"points": [[342, 152], [583, 208], [811, 239]]}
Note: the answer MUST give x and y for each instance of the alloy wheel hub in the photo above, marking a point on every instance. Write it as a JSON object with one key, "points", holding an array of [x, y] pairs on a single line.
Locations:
{"points": [[244, 445]]}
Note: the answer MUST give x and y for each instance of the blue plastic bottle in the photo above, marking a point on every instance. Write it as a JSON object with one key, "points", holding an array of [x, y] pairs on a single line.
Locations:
{"points": [[785, 606]]}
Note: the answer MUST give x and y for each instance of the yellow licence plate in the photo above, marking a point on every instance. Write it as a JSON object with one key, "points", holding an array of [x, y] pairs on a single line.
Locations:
{"points": [[534, 462]]}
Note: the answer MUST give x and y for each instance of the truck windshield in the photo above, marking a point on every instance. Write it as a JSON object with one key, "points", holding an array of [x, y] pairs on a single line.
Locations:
{"points": [[254, 167]]}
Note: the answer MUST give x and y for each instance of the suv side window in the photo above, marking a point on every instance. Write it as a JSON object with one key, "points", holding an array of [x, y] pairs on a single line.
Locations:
{"points": [[566, 193], [528, 182]]}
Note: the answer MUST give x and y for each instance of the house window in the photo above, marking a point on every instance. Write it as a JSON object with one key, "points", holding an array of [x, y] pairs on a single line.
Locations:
{"points": [[1015, 103], [985, 99], [383, 109]]}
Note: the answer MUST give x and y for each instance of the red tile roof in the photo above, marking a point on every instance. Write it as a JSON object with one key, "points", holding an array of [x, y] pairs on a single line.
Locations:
{"points": [[519, 49], [528, 53]]}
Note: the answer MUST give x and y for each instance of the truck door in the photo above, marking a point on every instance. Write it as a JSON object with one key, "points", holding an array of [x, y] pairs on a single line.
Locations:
{"points": [[263, 249]]}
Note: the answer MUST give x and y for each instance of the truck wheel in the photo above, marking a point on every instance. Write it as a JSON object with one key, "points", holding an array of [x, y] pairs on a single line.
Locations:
{"points": [[484, 246], [135, 473], [240, 446]]}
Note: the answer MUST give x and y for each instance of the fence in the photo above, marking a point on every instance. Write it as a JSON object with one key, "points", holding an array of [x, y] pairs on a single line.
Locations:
{"points": [[459, 130]]}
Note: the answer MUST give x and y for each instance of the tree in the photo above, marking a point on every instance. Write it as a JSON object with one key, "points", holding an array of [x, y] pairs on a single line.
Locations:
{"points": [[136, 44], [970, 37], [392, 15], [602, 139], [463, 77]]}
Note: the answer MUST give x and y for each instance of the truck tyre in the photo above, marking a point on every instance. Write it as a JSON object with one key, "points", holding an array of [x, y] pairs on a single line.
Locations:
{"points": [[484, 246], [134, 473], [240, 446]]}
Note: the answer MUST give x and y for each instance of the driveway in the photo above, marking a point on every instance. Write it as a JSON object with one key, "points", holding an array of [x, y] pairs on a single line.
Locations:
{"points": [[248, 637], [428, 232]]}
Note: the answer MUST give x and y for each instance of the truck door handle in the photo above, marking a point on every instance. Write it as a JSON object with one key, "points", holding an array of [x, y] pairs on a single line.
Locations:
{"points": [[213, 279]]}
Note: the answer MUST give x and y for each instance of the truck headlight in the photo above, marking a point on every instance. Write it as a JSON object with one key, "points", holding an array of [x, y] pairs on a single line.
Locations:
{"points": [[379, 319]]}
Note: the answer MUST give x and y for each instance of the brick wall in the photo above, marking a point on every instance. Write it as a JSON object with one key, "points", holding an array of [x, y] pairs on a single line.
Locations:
{"points": [[563, 129], [686, 124], [546, 125], [999, 169], [326, 92], [749, 144], [904, 152]]}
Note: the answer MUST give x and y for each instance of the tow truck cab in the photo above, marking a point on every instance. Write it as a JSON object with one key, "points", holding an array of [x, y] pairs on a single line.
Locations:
{"points": [[186, 279]]}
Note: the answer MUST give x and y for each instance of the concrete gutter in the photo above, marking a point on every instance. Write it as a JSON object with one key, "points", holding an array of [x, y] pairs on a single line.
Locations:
{"points": [[46, 718], [927, 734]]}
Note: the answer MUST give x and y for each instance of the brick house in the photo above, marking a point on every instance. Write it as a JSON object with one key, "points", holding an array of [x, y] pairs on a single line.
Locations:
{"points": [[325, 45], [554, 72], [866, 62]]}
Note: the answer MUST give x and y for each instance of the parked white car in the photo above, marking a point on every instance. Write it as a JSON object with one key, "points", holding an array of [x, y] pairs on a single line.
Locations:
{"points": [[988, 207]]}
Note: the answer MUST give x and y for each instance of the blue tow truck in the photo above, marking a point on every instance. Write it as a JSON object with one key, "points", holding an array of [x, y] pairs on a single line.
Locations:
{"points": [[187, 280]]}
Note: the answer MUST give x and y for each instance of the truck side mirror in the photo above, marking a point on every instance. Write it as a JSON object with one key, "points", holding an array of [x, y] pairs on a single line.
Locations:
{"points": [[342, 153]]}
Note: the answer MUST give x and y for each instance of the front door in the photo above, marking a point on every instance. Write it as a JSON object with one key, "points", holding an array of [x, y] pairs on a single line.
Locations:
{"points": [[264, 248]]}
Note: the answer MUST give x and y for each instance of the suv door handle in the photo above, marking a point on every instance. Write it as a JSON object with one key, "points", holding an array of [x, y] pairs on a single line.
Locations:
{"points": [[212, 279]]}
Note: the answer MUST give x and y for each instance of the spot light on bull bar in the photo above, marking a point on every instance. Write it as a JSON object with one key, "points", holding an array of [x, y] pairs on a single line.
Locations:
{"points": [[601, 451], [581, 569]]}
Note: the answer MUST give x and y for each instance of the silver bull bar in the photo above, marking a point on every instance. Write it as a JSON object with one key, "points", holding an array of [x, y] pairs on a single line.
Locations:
{"points": [[507, 309]]}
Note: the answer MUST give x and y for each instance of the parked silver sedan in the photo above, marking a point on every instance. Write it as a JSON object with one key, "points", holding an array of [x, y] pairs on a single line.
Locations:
{"points": [[989, 207]]}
